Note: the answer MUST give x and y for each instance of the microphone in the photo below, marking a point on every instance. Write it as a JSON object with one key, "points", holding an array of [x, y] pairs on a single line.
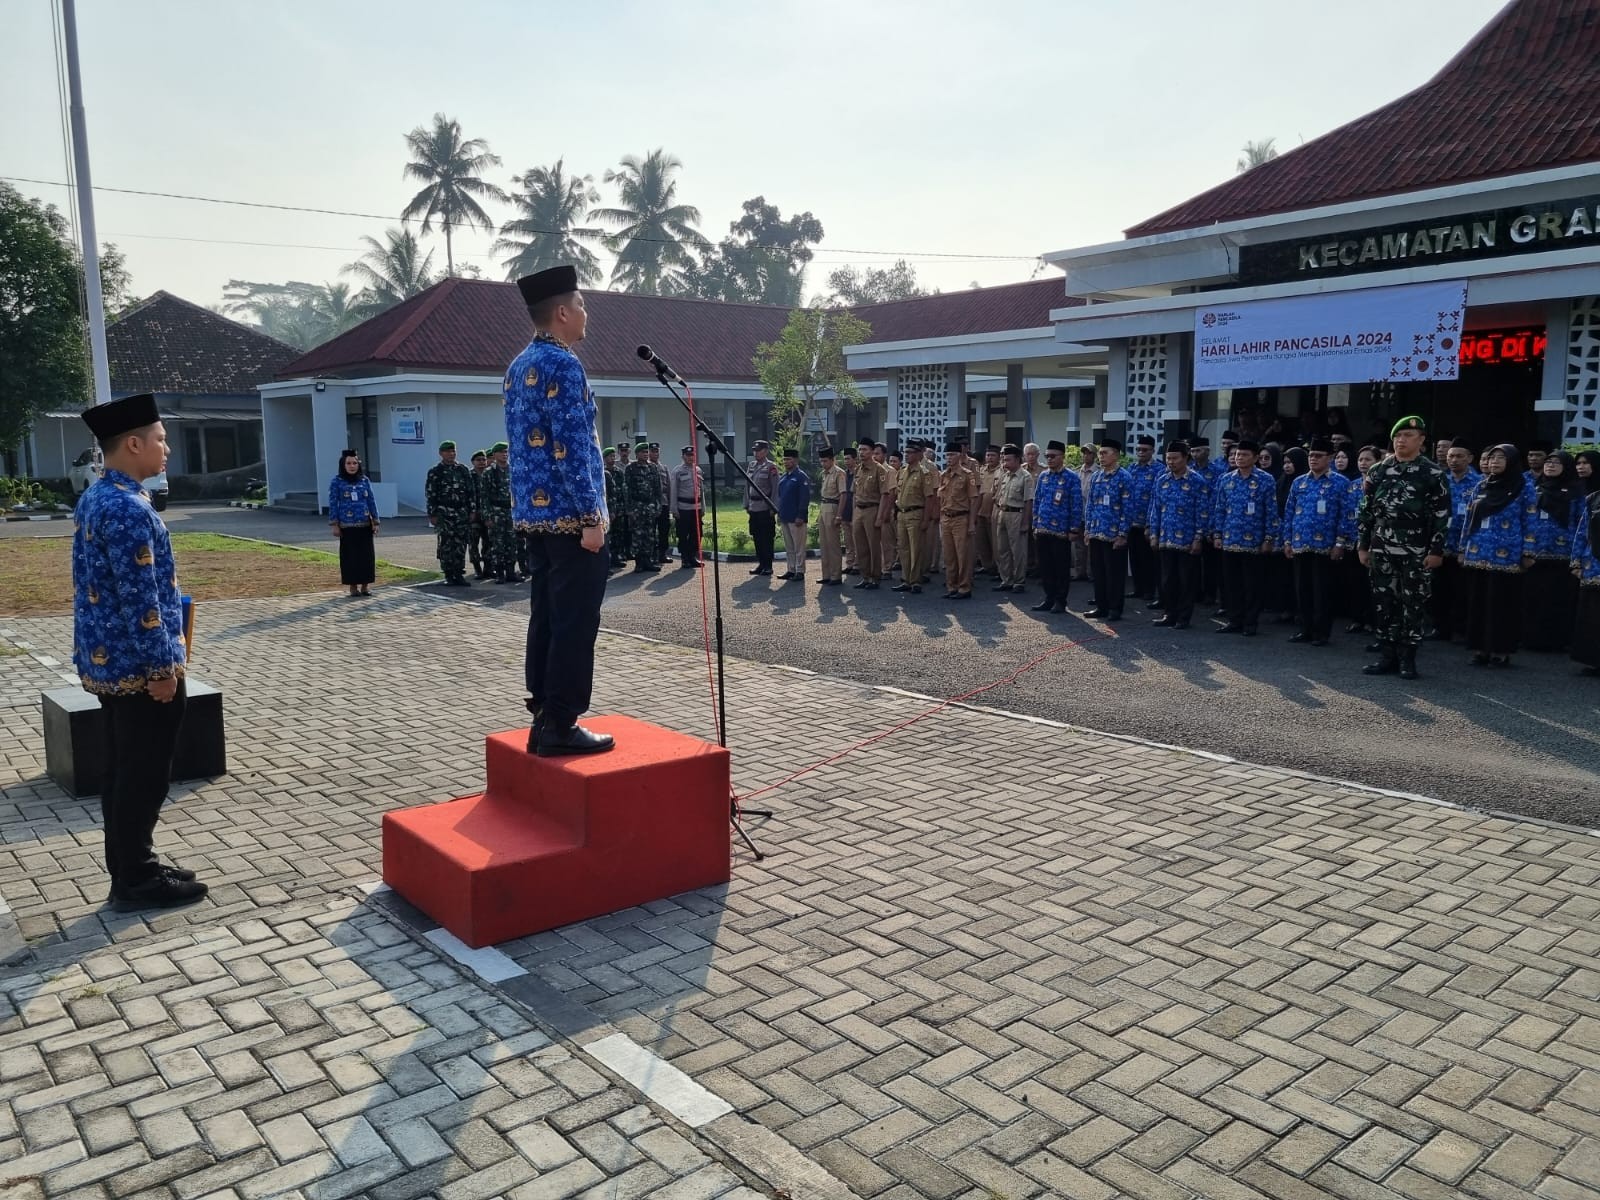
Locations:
{"points": [[660, 365]]}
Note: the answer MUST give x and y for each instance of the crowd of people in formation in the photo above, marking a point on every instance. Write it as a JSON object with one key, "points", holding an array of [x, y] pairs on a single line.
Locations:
{"points": [[1495, 548], [470, 511]]}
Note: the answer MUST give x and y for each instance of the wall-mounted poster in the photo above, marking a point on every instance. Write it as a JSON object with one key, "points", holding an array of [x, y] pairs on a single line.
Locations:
{"points": [[405, 424]]}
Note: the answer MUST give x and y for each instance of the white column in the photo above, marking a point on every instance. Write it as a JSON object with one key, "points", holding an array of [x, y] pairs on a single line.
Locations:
{"points": [[329, 433], [638, 419], [1116, 399], [1553, 380]]}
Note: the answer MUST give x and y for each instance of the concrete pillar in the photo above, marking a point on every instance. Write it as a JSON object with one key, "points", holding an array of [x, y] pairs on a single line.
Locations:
{"points": [[891, 420], [1113, 418], [638, 419]]}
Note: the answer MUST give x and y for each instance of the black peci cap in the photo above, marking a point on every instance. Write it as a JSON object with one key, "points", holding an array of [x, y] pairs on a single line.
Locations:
{"points": [[1178, 447], [1145, 439], [1321, 445], [557, 281], [119, 416], [1059, 447]]}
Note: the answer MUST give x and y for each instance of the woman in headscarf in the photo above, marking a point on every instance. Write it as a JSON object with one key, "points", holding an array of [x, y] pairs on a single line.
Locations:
{"points": [[1344, 462], [1496, 548], [1586, 565], [1550, 594], [353, 516]]}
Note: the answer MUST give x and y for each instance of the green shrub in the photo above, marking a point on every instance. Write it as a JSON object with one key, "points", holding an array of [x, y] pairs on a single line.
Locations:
{"points": [[740, 541]]}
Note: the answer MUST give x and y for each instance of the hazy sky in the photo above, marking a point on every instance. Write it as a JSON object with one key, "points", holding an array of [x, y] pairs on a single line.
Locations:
{"points": [[922, 127]]}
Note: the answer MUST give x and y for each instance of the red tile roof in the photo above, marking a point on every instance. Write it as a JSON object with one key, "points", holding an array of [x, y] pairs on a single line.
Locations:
{"points": [[173, 347], [479, 326], [1520, 97]]}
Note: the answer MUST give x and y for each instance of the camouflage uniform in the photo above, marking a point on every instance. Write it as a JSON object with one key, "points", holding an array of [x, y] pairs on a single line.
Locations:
{"points": [[451, 497], [1404, 517], [477, 531], [642, 493], [616, 539], [496, 501]]}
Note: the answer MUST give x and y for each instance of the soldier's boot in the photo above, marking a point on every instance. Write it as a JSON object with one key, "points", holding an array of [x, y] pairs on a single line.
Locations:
{"points": [[1388, 662], [1408, 662]]}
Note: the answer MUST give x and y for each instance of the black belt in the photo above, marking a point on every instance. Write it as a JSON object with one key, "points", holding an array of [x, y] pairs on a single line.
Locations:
{"points": [[866, 504], [1010, 508], [902, 508], [827, 501], [965, 512]]}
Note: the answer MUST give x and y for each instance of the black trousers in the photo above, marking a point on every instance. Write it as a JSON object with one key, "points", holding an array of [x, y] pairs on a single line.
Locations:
{"points": [[1180, 583], [1494, 610], [688, 522], [1447, 606], [1210, 574], [1142, 559], [568, 584], [763, 528], [1315, 583], [140, 737], [663, 534], [1108, 567], [1549, 605], [1243, 587], [1055, 565]]}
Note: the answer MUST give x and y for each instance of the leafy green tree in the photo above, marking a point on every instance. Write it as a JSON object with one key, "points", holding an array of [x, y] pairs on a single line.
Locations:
{"points": [[849, 286], [450, 168], [762, 262], [549, 230], [43, 347], [302, 314], [392, 270], [652, 233], [805, 368], [1254, 154]]}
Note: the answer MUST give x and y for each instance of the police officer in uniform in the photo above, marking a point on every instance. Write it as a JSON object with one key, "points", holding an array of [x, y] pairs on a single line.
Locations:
{"points": [[642, 485], [1401, 530], [451, 494], [761, 502], [685, 488]]}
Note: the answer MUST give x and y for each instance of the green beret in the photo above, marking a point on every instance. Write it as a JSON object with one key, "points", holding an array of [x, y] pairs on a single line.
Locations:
{"points": [[608, 450], [446, 445], [497, 447], [1405, 423], [638, 446], [480, 454]]}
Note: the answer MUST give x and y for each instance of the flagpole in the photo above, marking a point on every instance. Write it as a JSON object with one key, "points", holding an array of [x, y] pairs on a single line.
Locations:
{"points": [[85, 196]]}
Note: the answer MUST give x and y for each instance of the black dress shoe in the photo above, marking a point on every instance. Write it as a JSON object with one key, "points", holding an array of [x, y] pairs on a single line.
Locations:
{"points": [[787, 575], [863, 584], [951, 594], [1249, 631], [962, 596], [1111, 618], [1232, 627], [916, 588], [1060, 606], [1155, 606], [575, 739], [1164, 622], [1300, 637], [755, 570], [1178, 624], [1092, 612], [1375, 647], [1002, 587], [164, 890], [901, 587], [872, 587], [1319, 641], [1045, 606]]}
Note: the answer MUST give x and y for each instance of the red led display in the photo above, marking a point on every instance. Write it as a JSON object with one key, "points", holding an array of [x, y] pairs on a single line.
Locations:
{"points": [[1489, 346]]}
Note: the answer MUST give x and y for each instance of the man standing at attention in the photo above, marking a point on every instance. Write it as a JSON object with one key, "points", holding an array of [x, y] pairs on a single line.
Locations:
{"points": [[960, 491], [869, 494], [477, 531], [914, 500], [1013, 502], [451, 493], [559, 502], [127, 644], [761, 502], [1107, 514], [1141, 554], [1180, 508], [685, 486], [1244, 523], [832, 497], [1401, 529], [642, 486], [1057, 525], [497, 515], [794, 514]]}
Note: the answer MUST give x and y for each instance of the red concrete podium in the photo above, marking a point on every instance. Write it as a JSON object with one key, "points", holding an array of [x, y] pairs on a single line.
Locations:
{"points": [[557, 840]]}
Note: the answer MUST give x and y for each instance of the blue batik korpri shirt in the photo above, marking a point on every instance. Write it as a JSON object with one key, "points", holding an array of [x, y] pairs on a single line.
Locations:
{"points": [[558, 478], [1502, 539], [350, 501], [127, 619], [1244, 513], [1057, 502], [1584, 559], [1318, 516], [1180, 511], [1553, 532], [1144, 476], [1461, 493], [1108, 508]]}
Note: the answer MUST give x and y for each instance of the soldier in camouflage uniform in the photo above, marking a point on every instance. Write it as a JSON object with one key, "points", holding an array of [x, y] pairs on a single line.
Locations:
{"points": [[496, 502], [477, 531], [451, 496], [1404, 517], [641, 493], [613, 503]]}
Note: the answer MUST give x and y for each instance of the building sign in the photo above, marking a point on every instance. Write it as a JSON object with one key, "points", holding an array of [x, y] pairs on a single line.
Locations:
{"points": [[1486, 347], [1492, 233], [405, 424], [1375, 334]]}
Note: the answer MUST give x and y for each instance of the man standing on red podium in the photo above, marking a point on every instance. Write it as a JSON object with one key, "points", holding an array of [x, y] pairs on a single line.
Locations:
{"points": [[558, 497]]}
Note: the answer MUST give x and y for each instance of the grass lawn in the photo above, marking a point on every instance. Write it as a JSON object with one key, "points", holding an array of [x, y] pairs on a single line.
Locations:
{"points": [[733, 520], [36, 572]]}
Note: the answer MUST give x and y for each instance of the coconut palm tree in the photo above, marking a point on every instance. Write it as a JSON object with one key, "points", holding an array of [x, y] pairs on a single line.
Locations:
{"points": [[392, 270], [548, 233], [450, 168], [1255, 153], [651, 227]]}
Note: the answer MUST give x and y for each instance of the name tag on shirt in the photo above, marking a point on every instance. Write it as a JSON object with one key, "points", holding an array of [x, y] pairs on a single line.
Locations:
{"points": [[1461, 510], [1543, 516], [1105, 501], [1060, 495], [1250, 509], [1322, 508]]}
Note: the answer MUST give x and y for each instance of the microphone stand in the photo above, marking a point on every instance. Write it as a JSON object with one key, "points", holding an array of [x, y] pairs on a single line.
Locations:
{"points": [[714, 446]]}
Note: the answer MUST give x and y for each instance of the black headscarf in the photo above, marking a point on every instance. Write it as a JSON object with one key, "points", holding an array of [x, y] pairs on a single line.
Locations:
{"points": [[1497, 492], [1350, 470], [343, 474], [1556, 494], [1590, 486], [1302, 466], [1594, 522]]}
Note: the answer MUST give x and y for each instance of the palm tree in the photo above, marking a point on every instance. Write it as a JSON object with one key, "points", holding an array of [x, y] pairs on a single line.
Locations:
{"points": [[337, 309], [449, 168], [651, 227], [547, 234], [1255, 153], [392, 270]]}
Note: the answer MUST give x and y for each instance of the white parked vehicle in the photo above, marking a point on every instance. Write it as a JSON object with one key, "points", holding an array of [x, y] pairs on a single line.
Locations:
{"points": [[86, 469]]}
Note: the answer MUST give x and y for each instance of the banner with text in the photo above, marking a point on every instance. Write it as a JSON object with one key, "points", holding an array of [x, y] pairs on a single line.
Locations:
{"points": [[1395, 333], [405, 424]]}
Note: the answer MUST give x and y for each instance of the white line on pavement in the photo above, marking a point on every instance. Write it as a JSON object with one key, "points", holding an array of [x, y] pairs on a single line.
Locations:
{"points": [[659, 1080], [488, 963]]}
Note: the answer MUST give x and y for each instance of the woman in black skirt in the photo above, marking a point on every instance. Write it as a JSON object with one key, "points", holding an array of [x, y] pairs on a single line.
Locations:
{"points": [[1550, 594], [1496, 548], [353, 516]]}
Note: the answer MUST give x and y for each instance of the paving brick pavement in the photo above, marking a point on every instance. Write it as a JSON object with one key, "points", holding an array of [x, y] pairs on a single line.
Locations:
{"points": [[987, 956]]}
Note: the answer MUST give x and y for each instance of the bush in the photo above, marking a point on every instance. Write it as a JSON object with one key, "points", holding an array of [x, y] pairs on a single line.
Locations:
{"points": [[740, 541], [32, 493]]}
